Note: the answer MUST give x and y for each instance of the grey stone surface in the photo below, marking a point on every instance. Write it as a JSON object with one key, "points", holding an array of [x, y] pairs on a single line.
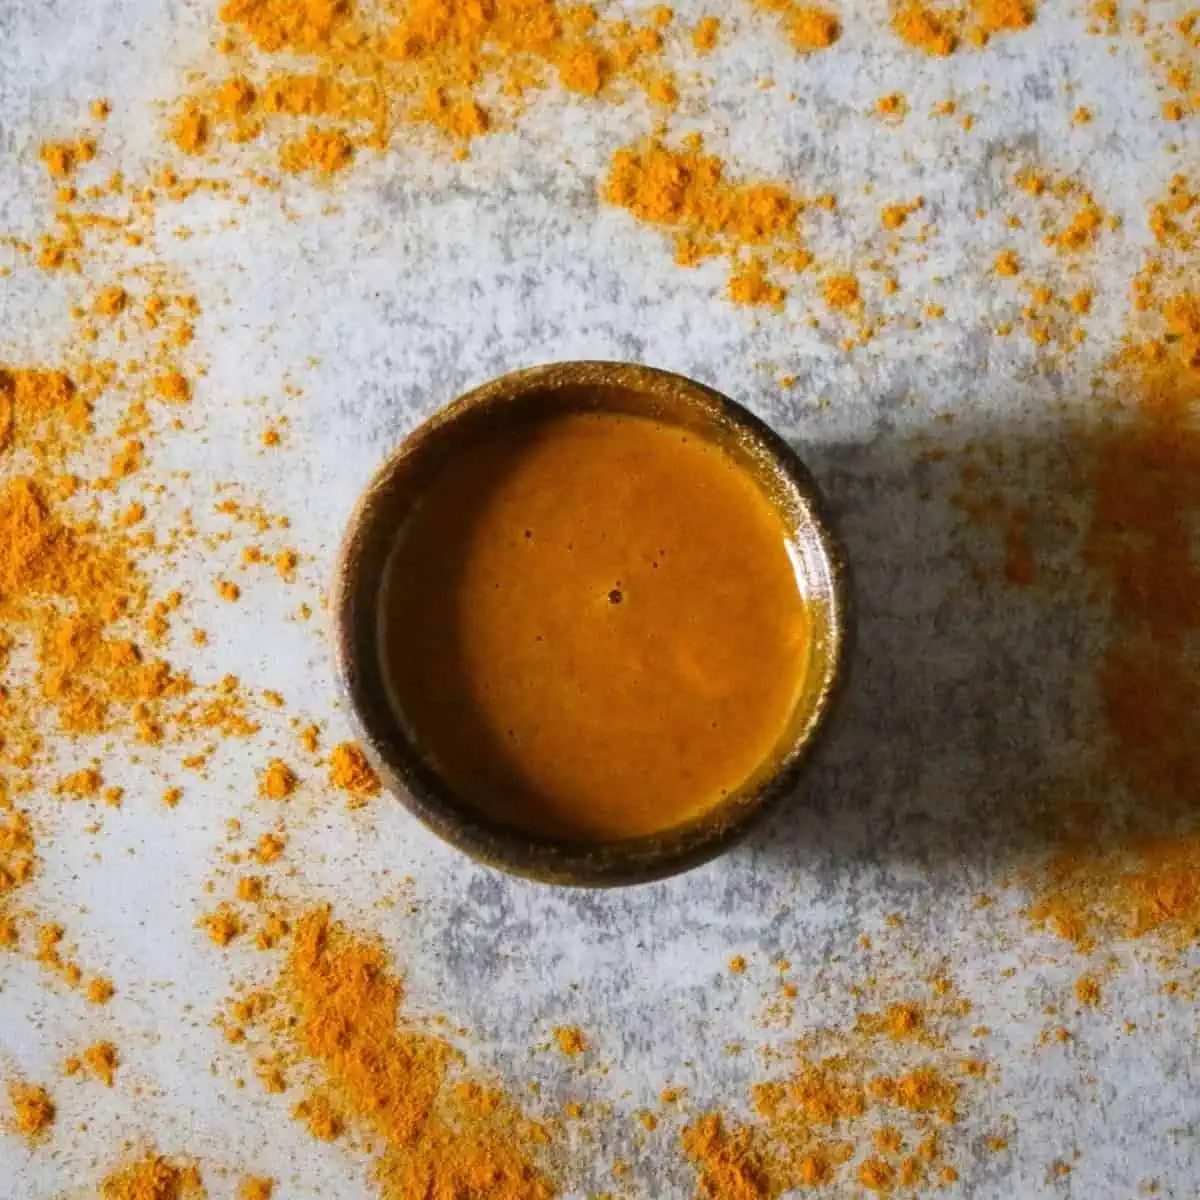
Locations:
{"points": [[414, 277]]}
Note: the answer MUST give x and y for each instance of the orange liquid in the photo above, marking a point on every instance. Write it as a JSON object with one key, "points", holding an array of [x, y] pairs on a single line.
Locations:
{"points": [[592, 626]]}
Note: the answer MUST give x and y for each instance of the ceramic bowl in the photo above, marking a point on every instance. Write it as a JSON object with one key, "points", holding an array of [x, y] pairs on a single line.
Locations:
{"points": [[630, 389]]}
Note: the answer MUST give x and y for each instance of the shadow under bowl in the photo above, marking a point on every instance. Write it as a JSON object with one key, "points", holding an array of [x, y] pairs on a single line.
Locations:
{"points": [[627, 389]]}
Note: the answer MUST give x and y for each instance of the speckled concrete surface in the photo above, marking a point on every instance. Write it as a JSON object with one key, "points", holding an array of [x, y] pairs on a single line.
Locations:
{"points": [[382, 296]]}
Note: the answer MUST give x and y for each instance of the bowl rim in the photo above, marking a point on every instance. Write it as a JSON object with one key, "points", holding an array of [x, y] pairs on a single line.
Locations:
{"points": [[408, 775]]}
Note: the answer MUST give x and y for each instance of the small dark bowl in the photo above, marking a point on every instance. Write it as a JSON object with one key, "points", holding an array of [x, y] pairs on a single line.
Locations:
{"points": [[563, 387]]}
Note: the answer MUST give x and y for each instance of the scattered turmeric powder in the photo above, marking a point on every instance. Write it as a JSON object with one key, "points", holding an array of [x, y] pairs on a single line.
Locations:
{"points": [[926, 28], [101, 1059], [153, 1178], [706, 34], [570, 1039], [33, 1110], [808, 26], [279, 781], [350, 772]]}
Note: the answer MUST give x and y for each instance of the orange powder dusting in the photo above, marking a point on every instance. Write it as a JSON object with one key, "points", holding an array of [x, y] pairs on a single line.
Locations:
{"points": [[730, 1166], [173, 387], [445, 1135], [62, 158], [685, 192], [808, 26], [841, 292], [101, 1059], [256, 1188], [821, 1127], [898, 1021], [111, 301], [877, 1175], [894, 104], [1001, 16], [323, 150], [437, 63], [706, 34], [570, 1039], [749, 285], [1007, 263], [278, 781], [1087, 991], [84, 785], [269, 848], [926, 28], [222, 926], [153, 1178], [1082, 231], [100, 990], [1142, 875], [350, 772], [895, 216], [33, 1110]]}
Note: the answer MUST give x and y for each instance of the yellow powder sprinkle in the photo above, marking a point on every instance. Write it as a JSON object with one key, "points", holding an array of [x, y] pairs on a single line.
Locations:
{"points": [[1001, 16], [895, 104], [250, 889], [258, 1187], [685, 192], [925, 28], [321, 150], [101, 1059], [99, 990], [111, 301], [228, 590], [1007, 263], [841, 292], [173, 388], [222, 926], [809, 27], [570, 1039], [706, 34], [269, 848], [749, 285], [278, 781], [737, 964], [153, 1178], [83, 785], [1087, 991], [172, 796], [350, 772], [62, 158], [33, 1110]]}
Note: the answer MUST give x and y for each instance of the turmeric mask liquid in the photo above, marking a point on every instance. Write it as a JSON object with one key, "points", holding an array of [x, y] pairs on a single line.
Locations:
{"points": [[592, 626]]}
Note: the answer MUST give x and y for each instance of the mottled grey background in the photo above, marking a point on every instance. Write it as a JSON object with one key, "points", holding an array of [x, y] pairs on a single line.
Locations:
{"points": [[413, 278]]}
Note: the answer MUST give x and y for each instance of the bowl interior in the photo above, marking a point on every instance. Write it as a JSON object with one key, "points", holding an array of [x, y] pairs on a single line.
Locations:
{"points": [[526, 395]]}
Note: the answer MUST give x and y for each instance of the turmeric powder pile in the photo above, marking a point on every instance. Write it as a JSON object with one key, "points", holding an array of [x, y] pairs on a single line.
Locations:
{"points": [[455, 68], [685, 192], [336, 1012], [841, 1119], [153, 1178], [91, 639]]}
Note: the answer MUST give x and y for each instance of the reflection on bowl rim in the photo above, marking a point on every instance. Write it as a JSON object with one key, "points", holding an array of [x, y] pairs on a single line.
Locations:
{"points": [[361, 570]]}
